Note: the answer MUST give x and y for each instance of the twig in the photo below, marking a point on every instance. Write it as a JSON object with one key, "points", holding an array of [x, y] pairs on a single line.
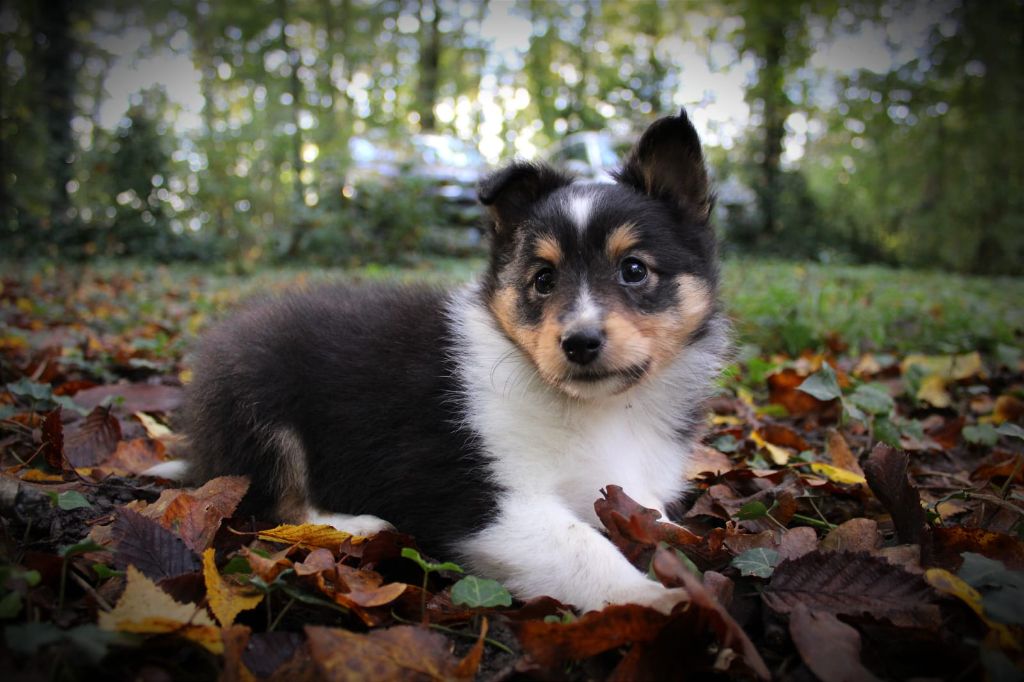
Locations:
{"points": [[817, 511], [84, 584], [810, 521], [1013, 475], [280, 615]]}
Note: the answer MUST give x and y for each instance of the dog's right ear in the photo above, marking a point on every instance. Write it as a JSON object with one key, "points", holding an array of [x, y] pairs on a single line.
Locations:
{"points": [[509, 192]]}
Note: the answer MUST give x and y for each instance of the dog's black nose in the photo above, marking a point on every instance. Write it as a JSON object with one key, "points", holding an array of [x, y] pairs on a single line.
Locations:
{"points": [[583, 346]]}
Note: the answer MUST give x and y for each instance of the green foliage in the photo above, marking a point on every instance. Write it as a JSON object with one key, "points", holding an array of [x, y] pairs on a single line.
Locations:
{"points": [[477, 593], [759, 562], [428, 566], [68, 500], [822, 384]]}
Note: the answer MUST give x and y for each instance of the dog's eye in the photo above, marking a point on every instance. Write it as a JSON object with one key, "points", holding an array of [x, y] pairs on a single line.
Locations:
{"points": [[632, 271], [544, 281]]}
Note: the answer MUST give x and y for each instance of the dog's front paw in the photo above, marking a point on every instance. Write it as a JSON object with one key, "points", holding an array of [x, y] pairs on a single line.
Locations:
{"points": [[652, 594]]}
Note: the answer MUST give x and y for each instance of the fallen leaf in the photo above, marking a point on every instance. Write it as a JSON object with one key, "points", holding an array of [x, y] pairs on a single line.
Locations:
{"points": [[782, 386], [836, 474], [932, 390], [855, 535], [708, 614], [146, 609], [310, 536], [829, 647], [53, 440], [785, 436], [132, 457], [235, 639], [759, 562], [155, 551], [949, 543], [886, 473], [226, 599], [137, 397], [552, 643], [947, 583], [704, 459], [779, 455], [404, 652], [1008, 408], [949, 367], [93, 439], [267, 568], [635, 529], [840, 454], [852, 584], [318, 561], [154, 429]]}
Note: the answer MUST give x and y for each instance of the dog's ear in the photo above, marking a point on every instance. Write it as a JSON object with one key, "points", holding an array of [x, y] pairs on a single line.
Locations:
{"points": [[509, 192], [667, 163]]}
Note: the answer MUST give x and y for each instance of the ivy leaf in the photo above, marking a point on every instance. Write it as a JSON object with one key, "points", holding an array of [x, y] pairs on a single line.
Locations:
{"points": [[69, 499], [1011, 430], [822, 384], [759, 562], [873, 399], [427, 566], [477, 592], [752, 510], [982, 434]]}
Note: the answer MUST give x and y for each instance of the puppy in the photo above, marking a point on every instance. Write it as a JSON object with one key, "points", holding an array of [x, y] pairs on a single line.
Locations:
{"points": [[484, 421]]}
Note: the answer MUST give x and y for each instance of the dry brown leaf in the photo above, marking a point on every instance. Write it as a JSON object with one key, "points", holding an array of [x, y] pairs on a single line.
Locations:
{"points": [[840, 453], [853, 584], [93, 439], [404, 652], [226, 599], [855, 535], [886, 471], [268, 568], [829, 647], [707, 460], [132, 457], [146, 609], [236, 639]]}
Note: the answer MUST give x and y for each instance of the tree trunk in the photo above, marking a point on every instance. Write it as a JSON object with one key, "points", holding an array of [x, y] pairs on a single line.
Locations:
{"points": [[430, 67], [58, 86], [295, 90], [775, 112]]}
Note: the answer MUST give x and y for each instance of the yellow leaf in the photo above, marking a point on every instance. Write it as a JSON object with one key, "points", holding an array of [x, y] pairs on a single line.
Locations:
{"points": [[947, 583], [837, 474], [726, 419], [310, 536], [949, 367], [933, 391], [145, 608], [745, 395], [226, 600], [154, 429], [779, 454]]}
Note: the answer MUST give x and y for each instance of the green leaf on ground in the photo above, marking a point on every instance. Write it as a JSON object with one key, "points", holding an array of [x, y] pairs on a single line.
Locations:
{"points": [[477, 592], [759, 562], [823, 384]]}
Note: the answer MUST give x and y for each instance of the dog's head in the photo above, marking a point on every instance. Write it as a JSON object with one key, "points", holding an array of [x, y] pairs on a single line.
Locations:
{"points": [[602, 285]]}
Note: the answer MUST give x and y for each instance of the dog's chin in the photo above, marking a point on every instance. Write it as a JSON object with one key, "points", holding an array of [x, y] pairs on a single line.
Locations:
{"points": [[595, 384]]}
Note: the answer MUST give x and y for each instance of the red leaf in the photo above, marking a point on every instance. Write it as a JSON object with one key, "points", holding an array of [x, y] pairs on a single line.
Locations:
{"points": [[551, 644], [93, 439], [635, 529], [53, 440]]}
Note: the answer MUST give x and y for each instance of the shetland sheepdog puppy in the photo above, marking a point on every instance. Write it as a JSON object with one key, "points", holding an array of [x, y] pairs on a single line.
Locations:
{"points": [[485, 421]]}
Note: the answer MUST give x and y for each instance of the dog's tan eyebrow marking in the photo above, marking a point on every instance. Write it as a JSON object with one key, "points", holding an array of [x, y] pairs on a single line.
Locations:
{"points": [[621, 240], [547, 248]]}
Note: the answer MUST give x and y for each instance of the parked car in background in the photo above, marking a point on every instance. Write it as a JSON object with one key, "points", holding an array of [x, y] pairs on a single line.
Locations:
{"points": [[591, 155], [448, 166]]}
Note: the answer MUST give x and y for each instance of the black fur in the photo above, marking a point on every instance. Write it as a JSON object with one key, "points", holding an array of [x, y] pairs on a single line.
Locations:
{"points": [[363, 376]]}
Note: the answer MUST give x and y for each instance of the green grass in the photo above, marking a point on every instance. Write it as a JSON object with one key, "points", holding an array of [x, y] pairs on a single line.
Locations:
{"points": [[791, 306], [777, 306]]}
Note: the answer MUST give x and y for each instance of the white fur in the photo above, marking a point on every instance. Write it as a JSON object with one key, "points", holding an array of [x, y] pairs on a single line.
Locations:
{"points": [[174, 470], [551, 454], [579, 207], [587, 311], [362, 525]]}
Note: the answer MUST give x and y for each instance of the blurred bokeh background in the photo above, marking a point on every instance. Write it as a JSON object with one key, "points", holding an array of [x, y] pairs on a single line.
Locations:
{"points": [[341, 132]]}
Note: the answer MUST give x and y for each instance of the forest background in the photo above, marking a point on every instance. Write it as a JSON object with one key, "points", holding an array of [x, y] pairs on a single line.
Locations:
{"points": [[881, 131]]}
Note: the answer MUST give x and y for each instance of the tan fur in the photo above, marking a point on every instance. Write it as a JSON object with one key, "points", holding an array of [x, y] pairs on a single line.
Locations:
{"points": [[620, 241], [546, 248], [633, 338]]}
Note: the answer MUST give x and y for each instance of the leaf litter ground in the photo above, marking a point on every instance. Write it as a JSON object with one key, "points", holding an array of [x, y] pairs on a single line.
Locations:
{"points": [[854, 516]]}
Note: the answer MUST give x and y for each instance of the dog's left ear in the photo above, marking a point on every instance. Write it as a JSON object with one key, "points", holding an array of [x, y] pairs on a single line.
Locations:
{"points": [[667, 163]]}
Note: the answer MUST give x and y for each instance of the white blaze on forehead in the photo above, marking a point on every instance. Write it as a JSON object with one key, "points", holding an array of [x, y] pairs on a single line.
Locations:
{"points": [[587, 310], [580, 205]]}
